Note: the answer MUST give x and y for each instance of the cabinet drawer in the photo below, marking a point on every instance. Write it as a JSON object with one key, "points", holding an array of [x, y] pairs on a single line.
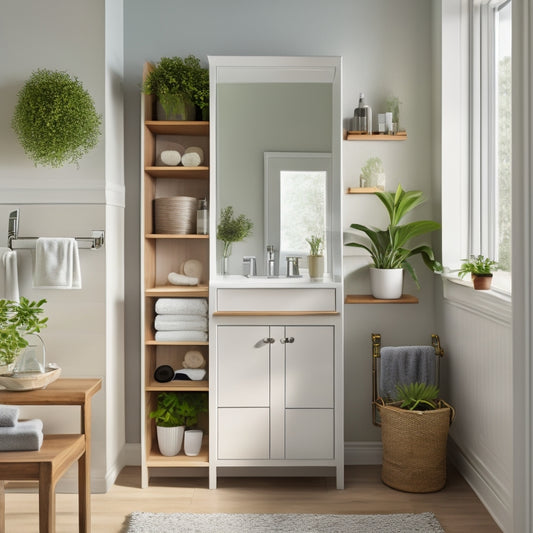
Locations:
{"points": [[303, 299]]}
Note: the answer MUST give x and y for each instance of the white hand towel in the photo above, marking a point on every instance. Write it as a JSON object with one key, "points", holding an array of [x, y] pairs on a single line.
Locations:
{"points": [[9, 280], [177, 336], [170, 323], [183, 306], [57, 264]]}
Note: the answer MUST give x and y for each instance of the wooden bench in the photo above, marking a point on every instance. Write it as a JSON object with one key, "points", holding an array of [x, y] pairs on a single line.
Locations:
{"points": [[46, 466]]}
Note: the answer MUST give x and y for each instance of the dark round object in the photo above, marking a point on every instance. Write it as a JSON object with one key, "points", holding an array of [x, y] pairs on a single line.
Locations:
{"points": [[164, 373]]}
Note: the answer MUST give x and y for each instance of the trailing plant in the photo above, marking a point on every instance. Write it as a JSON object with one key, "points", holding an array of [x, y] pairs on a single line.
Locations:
{"points": [[417, 396], [179, 408], [55, 119], [477, 265], [174, 78], [316, 244], [16, 320], [388, 247], [232, 229]]}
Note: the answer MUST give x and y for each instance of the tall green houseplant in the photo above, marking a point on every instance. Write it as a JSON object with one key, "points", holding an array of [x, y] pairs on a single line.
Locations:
{"points": [[232, 229], [55, 119]]}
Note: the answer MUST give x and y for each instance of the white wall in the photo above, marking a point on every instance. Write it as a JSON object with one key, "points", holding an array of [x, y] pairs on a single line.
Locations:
{"points": [[85, 332], [385, 45]]}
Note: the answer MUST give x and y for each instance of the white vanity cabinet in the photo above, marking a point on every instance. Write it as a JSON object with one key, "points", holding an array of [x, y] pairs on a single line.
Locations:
{"points": [[275, 389]]}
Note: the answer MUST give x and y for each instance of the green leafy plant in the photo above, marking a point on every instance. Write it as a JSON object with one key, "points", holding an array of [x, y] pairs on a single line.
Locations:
{"points": [[417, 396], [388, 247], [179, 408], [175, 78], [55, 119], [371, 168], [393, 106], [478, 265], [16, 320], [232, 229], [315, 244]]}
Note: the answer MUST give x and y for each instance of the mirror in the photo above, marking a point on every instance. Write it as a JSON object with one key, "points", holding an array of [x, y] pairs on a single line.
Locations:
{"points": [[270, 105]]}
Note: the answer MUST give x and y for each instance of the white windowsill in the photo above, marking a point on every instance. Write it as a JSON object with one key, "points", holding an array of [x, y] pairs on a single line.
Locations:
{"points": [[492, 304]]}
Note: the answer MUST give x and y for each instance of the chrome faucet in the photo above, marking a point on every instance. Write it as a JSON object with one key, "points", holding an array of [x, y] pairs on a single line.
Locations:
{"points": [[293, 267], [270, 261]]}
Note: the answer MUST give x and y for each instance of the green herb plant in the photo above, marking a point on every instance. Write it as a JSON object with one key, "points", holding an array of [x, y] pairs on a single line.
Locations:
{"points": [[55, 119], [417, 396], [232, 229], [16, 320], [389, 248], [316, 245], [477, 265], [174, 79], [179, 408], [393, 106]]}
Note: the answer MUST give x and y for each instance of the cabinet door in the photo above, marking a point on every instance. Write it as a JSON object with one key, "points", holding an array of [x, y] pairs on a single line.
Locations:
{"points": [[309, 363], [243, 378], [310, 434], [243, 433]]}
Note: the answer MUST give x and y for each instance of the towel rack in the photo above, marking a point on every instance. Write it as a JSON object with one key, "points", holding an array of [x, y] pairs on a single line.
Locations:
{"points": [[15, 242]]}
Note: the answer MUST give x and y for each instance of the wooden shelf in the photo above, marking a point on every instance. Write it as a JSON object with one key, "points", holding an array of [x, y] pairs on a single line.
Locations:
{"points": [[153, 342], [155, 459], [369, 299], [178, 385], [356, 136], [181, 127], [175, 236], [190, 173], [363, 190], [196, 291]]}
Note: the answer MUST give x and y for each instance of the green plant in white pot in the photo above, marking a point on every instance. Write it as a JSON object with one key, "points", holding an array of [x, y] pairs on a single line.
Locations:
{"points": [[390, 248], [373, 174], [315, 258]]}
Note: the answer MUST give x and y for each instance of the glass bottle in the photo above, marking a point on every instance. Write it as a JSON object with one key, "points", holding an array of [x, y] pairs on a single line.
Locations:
{"points": [[202, 218]]}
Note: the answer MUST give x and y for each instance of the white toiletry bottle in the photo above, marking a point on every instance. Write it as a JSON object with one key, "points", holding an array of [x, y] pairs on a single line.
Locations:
{"points": [[202, 218]]}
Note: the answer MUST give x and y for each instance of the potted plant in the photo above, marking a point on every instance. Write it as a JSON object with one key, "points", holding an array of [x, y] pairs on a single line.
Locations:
{"points": [[393, 106], [316, 257], [389, 248], [178, 84], [174, 412], [480, 269], [55, 119], [373, 174], [414, 433], [232, 229], [18, 322]]}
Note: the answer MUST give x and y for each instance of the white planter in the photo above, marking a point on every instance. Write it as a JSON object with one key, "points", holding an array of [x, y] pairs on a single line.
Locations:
{"points": [[386, 283], [193, 441], [316, 266], [170, 440]]}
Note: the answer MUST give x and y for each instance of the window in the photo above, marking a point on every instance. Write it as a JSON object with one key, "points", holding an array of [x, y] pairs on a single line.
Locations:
{"points": [[490, 131]]}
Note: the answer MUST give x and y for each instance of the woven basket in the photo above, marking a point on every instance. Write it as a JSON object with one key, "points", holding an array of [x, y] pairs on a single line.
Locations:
{"points": [[175, 215], [414, 447]]}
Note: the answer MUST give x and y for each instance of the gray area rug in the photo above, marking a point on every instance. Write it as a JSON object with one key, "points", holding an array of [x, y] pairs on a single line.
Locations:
{"points": [[283, 523]]}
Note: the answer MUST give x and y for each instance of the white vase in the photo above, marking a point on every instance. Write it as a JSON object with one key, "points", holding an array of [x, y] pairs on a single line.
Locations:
{"points": [[193, 441], [316, 266], [170, 440], [386, 283]]}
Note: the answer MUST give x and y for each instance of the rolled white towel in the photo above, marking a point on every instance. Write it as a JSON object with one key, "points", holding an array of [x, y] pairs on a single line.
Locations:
{"points": [[193, 157], [8, 415], [194, 359], [180, 279], [171, 158], [170, 323], [177, 336], [194, 374], [25, 435], [183, 306]]}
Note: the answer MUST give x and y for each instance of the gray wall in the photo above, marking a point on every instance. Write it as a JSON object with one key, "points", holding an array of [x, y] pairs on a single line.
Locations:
{"points": [[386, 49]]}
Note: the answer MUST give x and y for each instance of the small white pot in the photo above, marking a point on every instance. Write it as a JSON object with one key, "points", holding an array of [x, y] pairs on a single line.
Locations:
{"points": [[193, 441], [386, 283], [170, 440], [316, 266]]}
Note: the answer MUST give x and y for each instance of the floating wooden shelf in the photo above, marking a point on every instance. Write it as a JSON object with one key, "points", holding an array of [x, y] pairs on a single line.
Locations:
{"points": [[363, 190], [369, 299], [356, 136]]}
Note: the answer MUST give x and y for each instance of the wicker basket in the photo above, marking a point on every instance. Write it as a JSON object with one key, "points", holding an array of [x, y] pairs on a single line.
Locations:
{"points": [[414, 447], [175, 215]]}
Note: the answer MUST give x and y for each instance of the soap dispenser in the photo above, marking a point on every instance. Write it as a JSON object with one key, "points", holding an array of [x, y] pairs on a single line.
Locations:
{"points": [[362, 117]]}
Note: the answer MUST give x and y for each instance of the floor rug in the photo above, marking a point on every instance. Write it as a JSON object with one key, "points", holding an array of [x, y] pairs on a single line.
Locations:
{"points": [[281, 523]]}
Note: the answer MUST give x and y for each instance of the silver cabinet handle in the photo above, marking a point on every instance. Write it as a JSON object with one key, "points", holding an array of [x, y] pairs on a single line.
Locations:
{"points": [[269, 340], [287, 340]]}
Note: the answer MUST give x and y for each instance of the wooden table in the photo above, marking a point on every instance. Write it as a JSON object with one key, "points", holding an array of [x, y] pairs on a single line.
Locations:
{"points": [[57, 453]]}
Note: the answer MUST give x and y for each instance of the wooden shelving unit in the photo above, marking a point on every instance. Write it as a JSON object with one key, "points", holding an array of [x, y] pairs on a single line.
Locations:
{"points": [[162, 254], [369, 299], [363, 190]]}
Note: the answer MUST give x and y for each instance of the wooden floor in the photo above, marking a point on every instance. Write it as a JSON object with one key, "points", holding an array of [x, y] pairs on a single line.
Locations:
{"points": [[456, 506]]}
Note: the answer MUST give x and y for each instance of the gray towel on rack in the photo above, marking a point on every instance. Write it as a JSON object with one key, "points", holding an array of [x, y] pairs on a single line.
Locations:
{"points": [[27, 435], [57, 264], [403, 365], [8, 415], [9, 281]]}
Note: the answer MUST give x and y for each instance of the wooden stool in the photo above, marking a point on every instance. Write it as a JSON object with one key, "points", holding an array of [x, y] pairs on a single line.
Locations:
{"points": [[57, 454]]}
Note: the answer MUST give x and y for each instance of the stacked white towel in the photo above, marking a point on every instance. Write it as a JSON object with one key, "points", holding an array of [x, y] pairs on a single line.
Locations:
{"points": [[9, 281], [19, 435], [181, 319]]}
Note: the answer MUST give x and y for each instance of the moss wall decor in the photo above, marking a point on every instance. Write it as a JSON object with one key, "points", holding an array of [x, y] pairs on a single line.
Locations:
{"points": [[55, 119]]}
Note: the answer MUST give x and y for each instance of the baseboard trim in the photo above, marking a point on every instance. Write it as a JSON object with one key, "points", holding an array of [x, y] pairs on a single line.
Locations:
{"points": [[363, 453]]}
